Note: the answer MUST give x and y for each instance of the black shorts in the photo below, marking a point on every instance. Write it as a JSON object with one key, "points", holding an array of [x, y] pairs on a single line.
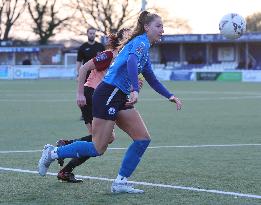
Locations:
{"points": [[87, 109], [107, 101]]}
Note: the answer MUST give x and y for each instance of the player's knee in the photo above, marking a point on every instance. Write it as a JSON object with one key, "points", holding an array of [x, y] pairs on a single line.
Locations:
{"points": [[145, 134]]}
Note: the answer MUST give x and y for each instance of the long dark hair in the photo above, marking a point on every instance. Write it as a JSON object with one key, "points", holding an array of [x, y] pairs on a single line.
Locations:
{"points": [[114, 39], [145, 18]]}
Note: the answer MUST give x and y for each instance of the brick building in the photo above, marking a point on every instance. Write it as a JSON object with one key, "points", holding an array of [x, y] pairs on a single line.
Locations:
{"points": [[12, 54]]}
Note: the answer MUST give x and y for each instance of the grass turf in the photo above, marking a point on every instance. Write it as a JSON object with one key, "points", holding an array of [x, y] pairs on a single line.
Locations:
{"points": [[34, 113]]}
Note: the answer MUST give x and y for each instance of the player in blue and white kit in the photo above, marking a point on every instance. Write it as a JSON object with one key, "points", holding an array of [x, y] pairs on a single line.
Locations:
{"points": [[111, 105]]}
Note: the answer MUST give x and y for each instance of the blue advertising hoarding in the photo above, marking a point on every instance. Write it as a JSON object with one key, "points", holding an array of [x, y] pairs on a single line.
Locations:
{"points": [[19, 49], [3, 72], [205, 38], [182, 75]]}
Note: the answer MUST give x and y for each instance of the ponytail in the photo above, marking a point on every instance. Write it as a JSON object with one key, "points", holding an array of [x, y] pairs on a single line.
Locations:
{"points": [[145, 18], [115, 39]]}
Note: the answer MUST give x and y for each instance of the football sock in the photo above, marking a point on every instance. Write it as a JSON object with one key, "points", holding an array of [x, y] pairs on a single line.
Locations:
{"points": [[87, 138], [132, 157], [77, 149], [74, 163], [77, 161]]}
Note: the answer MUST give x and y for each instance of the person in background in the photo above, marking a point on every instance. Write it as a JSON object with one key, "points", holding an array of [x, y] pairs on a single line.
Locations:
{"points": [[27, 61], [87, 51]]}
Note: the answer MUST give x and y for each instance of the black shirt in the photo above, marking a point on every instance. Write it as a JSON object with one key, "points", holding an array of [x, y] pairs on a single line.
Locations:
{"points": [[87, 51]]}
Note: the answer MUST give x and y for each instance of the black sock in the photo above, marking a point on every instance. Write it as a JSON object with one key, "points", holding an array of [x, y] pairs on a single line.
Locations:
{"points": [[70, 141], [74, 163], [87, 138]]}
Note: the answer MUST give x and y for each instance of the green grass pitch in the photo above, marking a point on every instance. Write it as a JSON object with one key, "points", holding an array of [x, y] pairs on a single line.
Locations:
{"points": [[36, 112]]}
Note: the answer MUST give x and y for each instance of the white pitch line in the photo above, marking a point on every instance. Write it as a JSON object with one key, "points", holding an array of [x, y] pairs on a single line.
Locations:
{"points": [[235, 194], [206, 98], [19, 151], [199, 146], [38, 100], [153, 147]]}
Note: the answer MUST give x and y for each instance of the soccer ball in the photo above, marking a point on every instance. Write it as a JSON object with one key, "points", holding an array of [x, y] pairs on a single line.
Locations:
{"points": [[232, 26]]}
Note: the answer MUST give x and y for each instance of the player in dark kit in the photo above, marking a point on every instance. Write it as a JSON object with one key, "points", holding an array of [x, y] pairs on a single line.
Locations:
{"points": [[97, 67], [87, 51]]}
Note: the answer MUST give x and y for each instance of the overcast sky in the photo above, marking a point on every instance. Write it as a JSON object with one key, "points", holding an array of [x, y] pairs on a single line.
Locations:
{"points": [[204, 15]]}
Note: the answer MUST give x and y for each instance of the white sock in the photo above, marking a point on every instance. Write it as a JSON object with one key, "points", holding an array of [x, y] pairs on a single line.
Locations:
{"points": [[54, 154], [121, 179]]}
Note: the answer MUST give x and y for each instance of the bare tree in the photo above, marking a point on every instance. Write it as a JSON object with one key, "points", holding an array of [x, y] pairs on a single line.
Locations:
{"points": [[179, 26], [46, 19], [254, 22], [110, 15], [10, 11], [1, 15], [107, 15], [175, 24]]}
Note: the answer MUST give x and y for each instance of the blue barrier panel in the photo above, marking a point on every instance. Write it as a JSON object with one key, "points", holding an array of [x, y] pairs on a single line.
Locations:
{"points": [[181, 75]]}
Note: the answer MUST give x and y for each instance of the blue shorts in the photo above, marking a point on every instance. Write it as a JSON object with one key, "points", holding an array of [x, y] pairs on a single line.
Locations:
{"points": [[107, 101]]}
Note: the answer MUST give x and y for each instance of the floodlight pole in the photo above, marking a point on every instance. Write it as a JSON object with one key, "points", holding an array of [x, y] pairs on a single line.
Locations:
{"points": [[143, 5]]}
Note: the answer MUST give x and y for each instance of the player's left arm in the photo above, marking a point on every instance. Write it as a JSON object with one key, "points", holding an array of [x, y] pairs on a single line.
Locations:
{"points": [[156, 85], [138, 49]]}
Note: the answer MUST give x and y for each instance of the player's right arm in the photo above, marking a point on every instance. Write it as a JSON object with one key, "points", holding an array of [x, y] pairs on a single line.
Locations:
{"points": [[79, 60], [78, 65], [101, 62], [81, 100]]}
